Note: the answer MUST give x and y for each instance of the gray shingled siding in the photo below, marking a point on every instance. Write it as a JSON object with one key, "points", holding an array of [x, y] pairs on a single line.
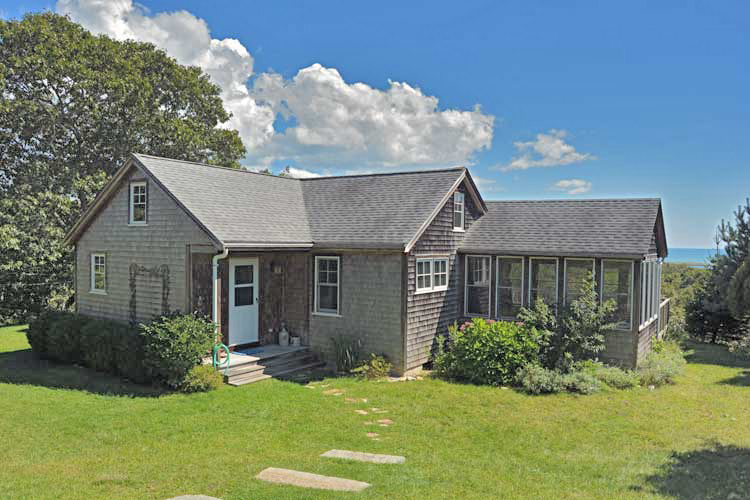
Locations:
{"points": [[430, 314], [162, 242], [370, 306]]}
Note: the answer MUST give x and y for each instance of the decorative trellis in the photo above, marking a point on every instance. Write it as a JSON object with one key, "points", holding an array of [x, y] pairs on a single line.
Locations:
{"points": [[150, 272]]}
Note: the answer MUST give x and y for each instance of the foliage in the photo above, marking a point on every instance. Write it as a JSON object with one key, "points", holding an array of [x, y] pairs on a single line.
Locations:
{"points": [[611, 376], [374, 368], [175, 343], [581, 382], [487, 352], [681, 282], [64, 338], [578, 334], [201, 378], [74, 107], [535, 379], [347, 352], [663, 364]]}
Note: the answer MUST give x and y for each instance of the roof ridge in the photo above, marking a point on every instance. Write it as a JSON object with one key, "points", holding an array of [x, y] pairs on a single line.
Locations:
{"points": [[381, 174], [546, 200], [239, 170]]}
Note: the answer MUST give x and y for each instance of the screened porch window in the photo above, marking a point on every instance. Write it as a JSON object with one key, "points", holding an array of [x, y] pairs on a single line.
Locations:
{"points": [[543, 281], [577, 271], [327, 285], [477, 292], [617, 285], [509, 286]]}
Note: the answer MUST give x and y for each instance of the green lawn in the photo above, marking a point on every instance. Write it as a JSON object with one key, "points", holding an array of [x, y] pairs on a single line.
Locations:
{"points": [[100, 438]]}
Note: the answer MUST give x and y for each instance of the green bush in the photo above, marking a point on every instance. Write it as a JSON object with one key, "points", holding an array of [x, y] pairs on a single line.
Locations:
{"points": [[174, 344], [201, 378], [127, 351], [663, 364], [487, 352], [535, 379], [374, 368], [581, 382], [97, 346], [611, 376], [347, 352], [37, 333], [63, 342]]}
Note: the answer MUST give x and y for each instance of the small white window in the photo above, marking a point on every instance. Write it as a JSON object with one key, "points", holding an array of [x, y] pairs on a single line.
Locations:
{"points": [[138, 202], [458, 211], [432, 275], [98, 272], [327, 285]]}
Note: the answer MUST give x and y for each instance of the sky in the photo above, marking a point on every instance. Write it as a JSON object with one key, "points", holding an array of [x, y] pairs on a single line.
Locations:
{"points": [[539, 99]]}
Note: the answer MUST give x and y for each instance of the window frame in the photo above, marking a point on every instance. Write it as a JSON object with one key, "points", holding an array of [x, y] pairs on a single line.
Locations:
{"points": [[432, 261], [631, 289], [456, 202], [316, 303], [497, 282], [565, 274], [131, 203], [93, 273], [466, 286], [557, 279], [650, 291]]}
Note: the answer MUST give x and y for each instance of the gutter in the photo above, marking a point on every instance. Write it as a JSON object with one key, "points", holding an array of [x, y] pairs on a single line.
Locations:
{"points": [[215, 295]]}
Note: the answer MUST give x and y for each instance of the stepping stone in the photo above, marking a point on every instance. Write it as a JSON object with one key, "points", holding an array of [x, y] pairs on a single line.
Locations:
{"points": [[359, 456], [333, 392], [307, 480], [373, 435], [351, 400], [385, 422], [194, 497], [361, 412]]}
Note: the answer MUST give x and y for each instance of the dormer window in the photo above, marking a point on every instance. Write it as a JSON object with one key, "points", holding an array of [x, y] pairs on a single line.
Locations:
{"points": [[458, 211], [138, 202]]}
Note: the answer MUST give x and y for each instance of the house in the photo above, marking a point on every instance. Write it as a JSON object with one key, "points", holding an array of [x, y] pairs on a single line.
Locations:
{"points": [[393, 258]]}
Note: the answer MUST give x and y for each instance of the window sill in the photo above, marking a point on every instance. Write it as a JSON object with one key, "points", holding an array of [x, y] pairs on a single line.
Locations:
{"points": [[431, 290], [138, 224], [458, 230], [98, 292], [469, 315], [327, 315]]}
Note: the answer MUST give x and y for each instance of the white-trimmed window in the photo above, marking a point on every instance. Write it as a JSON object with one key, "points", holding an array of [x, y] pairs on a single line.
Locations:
{"points": [[458, 211], [138, 202], [477, 292], [577, 271], [509, 286], [432, 274], [98, 272], [650, 291], [617, 285], [543, 281], [327, 285]]}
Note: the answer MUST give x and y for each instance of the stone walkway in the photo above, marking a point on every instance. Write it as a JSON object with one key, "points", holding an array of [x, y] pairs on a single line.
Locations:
{"points": [[359, 456], [307, 480]]}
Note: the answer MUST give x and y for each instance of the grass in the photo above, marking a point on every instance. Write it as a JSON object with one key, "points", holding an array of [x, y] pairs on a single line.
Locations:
{"points": [[102, 438]]}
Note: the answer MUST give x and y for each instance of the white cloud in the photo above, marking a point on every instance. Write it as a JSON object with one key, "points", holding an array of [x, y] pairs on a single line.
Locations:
{"points": [[548, 150], [487, 185], [298, 173], [573, 186], [337, 123]]}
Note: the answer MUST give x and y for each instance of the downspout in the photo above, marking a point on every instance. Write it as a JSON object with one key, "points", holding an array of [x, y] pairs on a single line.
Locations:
{"points": [[215, 295]]}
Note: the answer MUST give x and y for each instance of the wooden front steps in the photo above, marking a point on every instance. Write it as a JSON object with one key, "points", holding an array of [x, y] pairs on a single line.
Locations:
{"points": [[267, 362]]}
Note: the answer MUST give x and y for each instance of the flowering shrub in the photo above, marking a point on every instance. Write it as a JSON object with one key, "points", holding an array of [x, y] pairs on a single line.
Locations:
{"points": [[485, 351]]}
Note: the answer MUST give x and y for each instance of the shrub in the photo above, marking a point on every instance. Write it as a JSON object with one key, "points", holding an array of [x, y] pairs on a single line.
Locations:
{"points": [[611, 376], [374, 368], [201, 378], [63, 342], [536, 379], [487, 352], [665, 362], [37, 333], [347, 352], [97, 348], [127, 352], [581, 382], [174, 344]]}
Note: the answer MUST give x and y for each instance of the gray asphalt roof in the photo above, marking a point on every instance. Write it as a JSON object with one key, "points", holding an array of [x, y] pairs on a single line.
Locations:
{"points": [[241, 207], [565, 227]]}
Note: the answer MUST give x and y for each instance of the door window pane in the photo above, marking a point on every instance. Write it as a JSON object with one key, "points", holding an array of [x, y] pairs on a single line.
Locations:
{"points": [[243, 296], [243, 275]]}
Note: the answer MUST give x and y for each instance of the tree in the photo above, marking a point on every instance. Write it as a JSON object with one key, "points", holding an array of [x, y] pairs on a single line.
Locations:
{"points": [[73, 107]]}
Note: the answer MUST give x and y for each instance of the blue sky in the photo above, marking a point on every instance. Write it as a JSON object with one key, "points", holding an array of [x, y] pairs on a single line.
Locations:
{"points": [[652, 96]]}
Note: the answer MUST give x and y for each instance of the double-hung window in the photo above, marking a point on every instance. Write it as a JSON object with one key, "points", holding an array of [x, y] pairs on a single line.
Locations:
{"points": [[98, 273], [543, 281], [138, 202], [577, 271], [327, 285], [509, 286], [477, 290], [458, 211], [432, 274], [617, 285]]}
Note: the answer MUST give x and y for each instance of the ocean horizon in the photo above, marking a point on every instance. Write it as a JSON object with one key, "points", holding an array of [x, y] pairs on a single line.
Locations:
{"points": [[691, 255]]}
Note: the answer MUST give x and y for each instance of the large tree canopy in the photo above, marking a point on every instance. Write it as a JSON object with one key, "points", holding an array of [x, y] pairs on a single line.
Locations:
{"points": [[73, 107]]}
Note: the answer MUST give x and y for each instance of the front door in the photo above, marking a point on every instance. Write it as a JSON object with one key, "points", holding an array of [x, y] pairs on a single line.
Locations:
{"points": [[243, 301]]}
